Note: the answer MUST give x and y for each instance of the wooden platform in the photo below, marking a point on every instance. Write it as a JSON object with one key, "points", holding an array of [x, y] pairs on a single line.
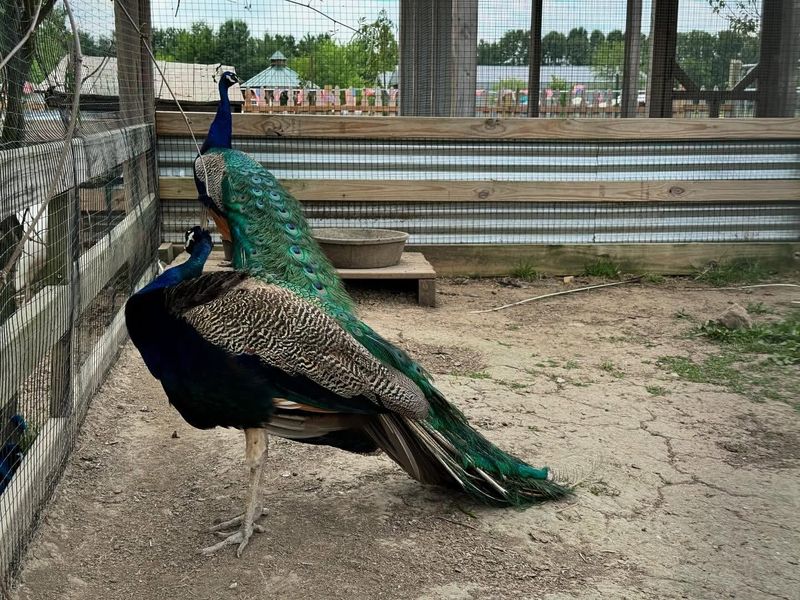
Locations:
{"points": [[412, 265]]}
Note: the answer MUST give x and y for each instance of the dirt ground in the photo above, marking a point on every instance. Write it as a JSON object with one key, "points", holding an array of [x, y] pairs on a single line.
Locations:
{"points": [[687, 490]]}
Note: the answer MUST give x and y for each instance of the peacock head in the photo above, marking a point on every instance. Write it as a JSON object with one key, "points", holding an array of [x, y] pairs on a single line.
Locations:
{"points": [[227, 80], [196, 237]]}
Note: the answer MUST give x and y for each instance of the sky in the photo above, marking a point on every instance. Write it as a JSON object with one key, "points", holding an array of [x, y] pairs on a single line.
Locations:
{"points": [[495, 18]]}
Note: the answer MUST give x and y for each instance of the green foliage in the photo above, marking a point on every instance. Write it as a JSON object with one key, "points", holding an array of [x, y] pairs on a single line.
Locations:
{"points": [[743, 15], [602, 267], [758, 308], [759, 363], [611, 369], [780, 340], [578, 51], [608, 59], [526, 271], [554, 48], [510, 84], [653, 278], [52, 41], [740, 270], [375, 48], [328, 64], [656, 390]]}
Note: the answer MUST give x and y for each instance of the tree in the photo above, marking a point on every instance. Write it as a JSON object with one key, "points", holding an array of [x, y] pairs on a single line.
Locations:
{"points": [[198, 45], [578, 48], [608, 59], [232, 47], [615, 36], [743, 15], [375, 48], [554, 46], [597, 38], [513, 47], [697, 55], [488, 53], [328, 64]]}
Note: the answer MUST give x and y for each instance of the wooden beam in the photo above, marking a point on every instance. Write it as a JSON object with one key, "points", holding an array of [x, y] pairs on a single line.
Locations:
{"points": [[441, 69], [48, 314], [665, 259], [663, 36], [777, 76], [630, 68], [432, 128], [464, 58], [26, 172], [338, 190], [407, 76], [535, 59]]}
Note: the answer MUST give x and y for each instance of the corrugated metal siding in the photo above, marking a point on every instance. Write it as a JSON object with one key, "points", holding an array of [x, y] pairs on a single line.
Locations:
{"points": [[524, 222]]}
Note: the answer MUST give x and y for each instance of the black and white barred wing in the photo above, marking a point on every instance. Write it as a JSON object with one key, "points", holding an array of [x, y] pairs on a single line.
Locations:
{"points": [[294, 335]]}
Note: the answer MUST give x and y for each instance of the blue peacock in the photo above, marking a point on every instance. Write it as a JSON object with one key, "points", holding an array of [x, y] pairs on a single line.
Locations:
{"points": [[276, 347]]}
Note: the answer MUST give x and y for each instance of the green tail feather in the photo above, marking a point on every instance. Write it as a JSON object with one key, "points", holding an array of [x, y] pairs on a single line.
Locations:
{"points": [[272, 241]]}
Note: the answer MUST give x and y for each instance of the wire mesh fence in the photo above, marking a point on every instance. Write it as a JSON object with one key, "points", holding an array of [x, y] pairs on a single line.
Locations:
{"points": [[81, 221], [350, 58], [79, 232]]}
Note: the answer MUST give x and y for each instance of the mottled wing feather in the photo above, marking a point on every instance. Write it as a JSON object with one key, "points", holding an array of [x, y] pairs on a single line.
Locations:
{"points": [[299, 338]]}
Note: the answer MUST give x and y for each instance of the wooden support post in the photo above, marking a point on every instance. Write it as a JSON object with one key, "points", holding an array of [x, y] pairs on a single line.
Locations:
{"points": [[9, 228], [535, 59], [409, 57], [426, 292], [630, 69], [664, 36], [61, 260], [464, 58], [777, 69]]}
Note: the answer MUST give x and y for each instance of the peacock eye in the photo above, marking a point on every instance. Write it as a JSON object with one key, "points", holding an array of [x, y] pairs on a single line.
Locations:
{"points": [[274, 195], [256, 180], [308, 268], [259, 203], [317, 285], [295, 250]]}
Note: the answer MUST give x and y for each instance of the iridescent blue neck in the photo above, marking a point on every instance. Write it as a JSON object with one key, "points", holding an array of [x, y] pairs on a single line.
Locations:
{"points": [[221, 131], [188, 270]]}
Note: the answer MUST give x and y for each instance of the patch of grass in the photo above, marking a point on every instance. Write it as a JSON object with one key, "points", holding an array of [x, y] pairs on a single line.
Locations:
{"points": [[779, 340], [571, 364], [653, 278], [602, 267], [612, 370], [758, 308], [477, 375], [526, 271], [682, 314], [656, 390], [513, 327], [740, 270]]}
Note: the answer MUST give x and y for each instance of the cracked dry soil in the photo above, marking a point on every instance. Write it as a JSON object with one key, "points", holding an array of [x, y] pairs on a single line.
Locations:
{"points": [[691, 492]]}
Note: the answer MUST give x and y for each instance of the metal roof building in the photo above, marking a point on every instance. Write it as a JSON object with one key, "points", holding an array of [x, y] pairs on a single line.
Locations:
{"points": [[277, 76], [194, 85]]}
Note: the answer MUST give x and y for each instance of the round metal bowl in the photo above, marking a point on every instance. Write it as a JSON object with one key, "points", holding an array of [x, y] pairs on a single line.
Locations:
{"points": [[361, 248]]}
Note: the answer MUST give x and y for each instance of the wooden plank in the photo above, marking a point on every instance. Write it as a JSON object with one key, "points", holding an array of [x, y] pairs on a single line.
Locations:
{"points": [[667, 259], [99, 264], [465, 59], [412, 265], [462, 128], [48, 314], [426, 292], [25, 173], [338, 190], [29, 487]]}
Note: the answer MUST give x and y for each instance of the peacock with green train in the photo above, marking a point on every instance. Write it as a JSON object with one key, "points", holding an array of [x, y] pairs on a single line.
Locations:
{"points": [[276, 347]]}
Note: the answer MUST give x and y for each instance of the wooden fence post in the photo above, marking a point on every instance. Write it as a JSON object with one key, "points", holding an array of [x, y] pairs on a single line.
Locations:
{"points": [[61, 255]]}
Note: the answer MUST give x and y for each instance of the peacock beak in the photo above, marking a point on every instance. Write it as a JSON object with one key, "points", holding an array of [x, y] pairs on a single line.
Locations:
{"points": [[222, 226]]}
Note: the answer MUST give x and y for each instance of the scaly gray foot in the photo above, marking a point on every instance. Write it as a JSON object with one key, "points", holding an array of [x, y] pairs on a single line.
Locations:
{"points": [[241, 537], [235, 521]]}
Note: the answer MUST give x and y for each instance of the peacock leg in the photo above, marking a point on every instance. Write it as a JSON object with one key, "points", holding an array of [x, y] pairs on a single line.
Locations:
{"points": [[255, 456]]}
